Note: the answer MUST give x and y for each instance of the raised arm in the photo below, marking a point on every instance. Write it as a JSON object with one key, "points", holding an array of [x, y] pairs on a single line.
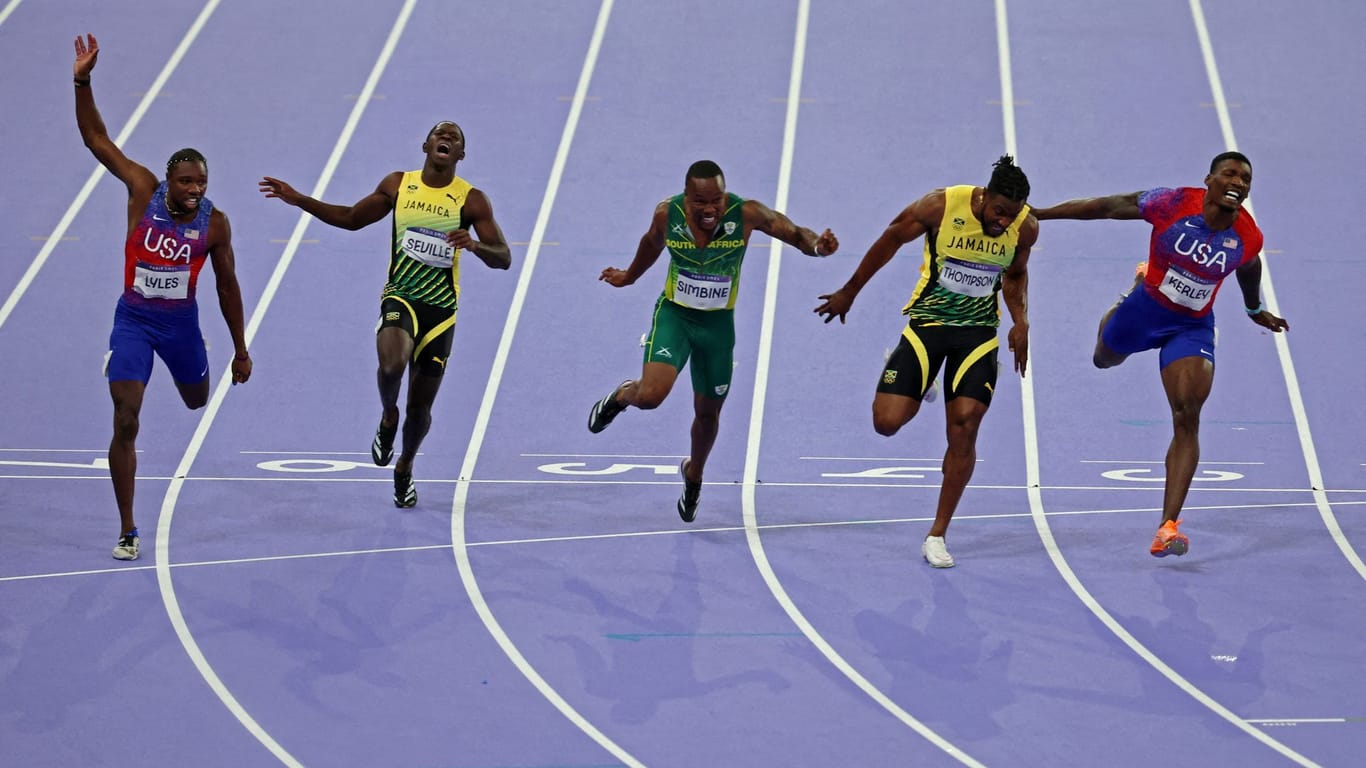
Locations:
{"points": [[914, 220], [140, 181], [1108, 207], [780, 227], [647, 251], [1015, 292], [491, 247], [229, 292], [366, 211]]}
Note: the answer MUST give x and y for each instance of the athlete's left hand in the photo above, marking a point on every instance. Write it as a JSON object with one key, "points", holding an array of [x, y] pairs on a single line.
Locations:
{"points": [[1270, 322], [826, 244], [1018, 338], [241, 369]]}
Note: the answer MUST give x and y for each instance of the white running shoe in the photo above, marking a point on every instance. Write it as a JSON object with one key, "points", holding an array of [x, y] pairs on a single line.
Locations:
{"points": [[127, 548], [936, 554]]}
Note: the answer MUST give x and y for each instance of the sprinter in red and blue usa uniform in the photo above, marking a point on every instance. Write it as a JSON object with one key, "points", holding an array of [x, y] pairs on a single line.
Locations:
{"points": [[172, 231], [1200, 237]]}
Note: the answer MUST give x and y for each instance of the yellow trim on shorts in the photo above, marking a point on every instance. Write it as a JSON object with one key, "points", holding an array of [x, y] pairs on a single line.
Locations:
{"points": [[921, 355], [411, 312], [433, 334], [973, 357]]}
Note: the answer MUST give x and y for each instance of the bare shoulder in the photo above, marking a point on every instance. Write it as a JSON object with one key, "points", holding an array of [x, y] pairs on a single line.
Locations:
{"points": [[220, 230]]}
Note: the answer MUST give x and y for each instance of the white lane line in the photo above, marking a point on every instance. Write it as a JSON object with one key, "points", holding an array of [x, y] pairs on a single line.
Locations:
{"points": [[67, 218], [163, 535], [756, 422], [1292, 381], [9, 8], [459, 547], [635, 535], [1036, 505]]}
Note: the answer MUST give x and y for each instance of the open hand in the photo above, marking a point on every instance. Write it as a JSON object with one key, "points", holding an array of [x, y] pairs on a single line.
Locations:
{"points": [[87, 51]]}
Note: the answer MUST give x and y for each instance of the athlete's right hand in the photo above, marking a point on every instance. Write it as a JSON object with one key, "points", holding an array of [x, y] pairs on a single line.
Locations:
{"points": [[836, 304], [271, 187], [86, 52], [617, 278]]}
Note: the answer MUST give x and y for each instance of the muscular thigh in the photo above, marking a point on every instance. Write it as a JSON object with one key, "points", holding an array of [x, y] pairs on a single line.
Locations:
{"points": [[432, 330]]}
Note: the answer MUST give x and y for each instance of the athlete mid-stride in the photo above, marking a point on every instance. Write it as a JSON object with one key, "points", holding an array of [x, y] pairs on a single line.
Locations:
{"points": [[1199, 238], [977, 242], [706, 230], [172, 231], [433, 212]]}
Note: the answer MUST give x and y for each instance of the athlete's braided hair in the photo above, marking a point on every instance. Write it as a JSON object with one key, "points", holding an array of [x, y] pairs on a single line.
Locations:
{"points": [[704, 169], [1222, 156], [1007, 179], [182, 155]]}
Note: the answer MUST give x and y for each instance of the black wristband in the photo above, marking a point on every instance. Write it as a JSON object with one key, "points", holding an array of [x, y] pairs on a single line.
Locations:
{"points": [[81, 83]]}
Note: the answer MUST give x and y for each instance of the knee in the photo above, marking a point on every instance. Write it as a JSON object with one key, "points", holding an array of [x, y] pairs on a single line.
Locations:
{"points": [[1186, 415], [196, 401], [887, 425], [126, 424], [391, 367], [648, 398], [962, 435]]}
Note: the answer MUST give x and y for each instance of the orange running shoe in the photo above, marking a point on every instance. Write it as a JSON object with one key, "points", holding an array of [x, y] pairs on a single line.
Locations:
{"points": [[1169, 540]]}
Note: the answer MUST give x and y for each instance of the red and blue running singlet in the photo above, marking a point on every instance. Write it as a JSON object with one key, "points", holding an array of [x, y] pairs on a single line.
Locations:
{"points": [[1187, 261], [162, 258]]}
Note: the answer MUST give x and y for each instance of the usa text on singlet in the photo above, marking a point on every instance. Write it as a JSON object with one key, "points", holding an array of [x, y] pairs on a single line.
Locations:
{"points": [[162, 257]]}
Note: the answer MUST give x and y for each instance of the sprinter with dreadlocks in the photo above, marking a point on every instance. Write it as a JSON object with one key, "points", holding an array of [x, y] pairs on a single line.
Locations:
{"points": [[977, 242], [172, 231]]}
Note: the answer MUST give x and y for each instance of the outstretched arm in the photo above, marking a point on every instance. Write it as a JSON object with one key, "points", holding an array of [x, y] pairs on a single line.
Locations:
{"points": [[647, 251], [914, 220], [366, 211], [229, 292], [140, 181], [1250, 282], [1015, 292], [780, 227], [491, 247], [1109, 207]]}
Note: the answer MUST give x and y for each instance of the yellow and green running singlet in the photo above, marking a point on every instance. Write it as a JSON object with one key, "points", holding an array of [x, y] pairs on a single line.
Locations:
{"points": [[962, 271], [423, 266], [705, 278]]}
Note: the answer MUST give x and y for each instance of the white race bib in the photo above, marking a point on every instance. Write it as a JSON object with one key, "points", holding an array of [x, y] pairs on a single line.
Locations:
{"points": [[161, 283], [702, 291], [1186, 290], [968, 278], [428, 246]]}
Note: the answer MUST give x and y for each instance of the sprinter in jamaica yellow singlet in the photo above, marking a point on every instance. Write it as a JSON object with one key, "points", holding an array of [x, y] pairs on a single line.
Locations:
{"points": [[977, 242], [706, 231], [433, 213]]}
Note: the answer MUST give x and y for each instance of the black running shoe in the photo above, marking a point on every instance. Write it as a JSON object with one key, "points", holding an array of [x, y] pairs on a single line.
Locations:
{"points": [[382, 449], [405, 491], [692, 493], [605, 410]]}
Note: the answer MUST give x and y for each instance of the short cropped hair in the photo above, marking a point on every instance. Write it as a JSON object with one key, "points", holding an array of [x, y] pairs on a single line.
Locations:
{"points": [[704, 169], [1222, 156]]}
